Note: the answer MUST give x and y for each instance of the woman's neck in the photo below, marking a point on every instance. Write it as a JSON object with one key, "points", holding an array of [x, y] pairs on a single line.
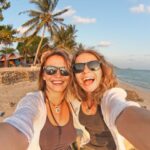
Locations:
{"points": [[55, 97], [89, 99]]}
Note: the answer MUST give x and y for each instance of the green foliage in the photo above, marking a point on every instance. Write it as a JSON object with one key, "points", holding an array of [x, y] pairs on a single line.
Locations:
{"points": [[43, 17], [65, 38], [7, 34], [4, 4], [29, 46], [7, 50]]}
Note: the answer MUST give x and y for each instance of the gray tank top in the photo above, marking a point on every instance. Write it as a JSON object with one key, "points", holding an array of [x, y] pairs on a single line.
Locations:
{"points": [[57, 137], [100, 135]]}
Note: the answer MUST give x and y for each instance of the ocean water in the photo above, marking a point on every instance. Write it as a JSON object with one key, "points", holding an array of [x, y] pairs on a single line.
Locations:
{"points": [[139, 78]]}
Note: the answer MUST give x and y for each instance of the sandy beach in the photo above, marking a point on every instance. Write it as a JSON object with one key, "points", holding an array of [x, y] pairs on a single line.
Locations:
{"points": [[11, 94]]}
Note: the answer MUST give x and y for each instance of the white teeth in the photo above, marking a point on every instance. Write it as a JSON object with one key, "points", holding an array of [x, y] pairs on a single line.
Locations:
{"points": [[88, 78], [57, 82]]}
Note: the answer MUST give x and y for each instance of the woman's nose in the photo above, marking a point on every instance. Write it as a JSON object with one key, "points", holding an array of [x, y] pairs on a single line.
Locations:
{"points": [[58, 73], [86, 69]]}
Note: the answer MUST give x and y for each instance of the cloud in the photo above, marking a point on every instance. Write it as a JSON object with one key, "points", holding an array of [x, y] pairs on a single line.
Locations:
{"points": [[104, 44], [148, 9], [81, 20], [1, 46], [70, 12], [21, 29], [141, 8], [138, 9], [147, 55]]}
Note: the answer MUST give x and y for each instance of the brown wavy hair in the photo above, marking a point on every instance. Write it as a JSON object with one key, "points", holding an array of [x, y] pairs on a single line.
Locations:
{"points": [[108, 78], [46, 56]]}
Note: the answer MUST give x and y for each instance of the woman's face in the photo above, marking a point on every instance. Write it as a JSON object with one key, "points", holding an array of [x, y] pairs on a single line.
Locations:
{"points": [[55, 74], [88, 80]]}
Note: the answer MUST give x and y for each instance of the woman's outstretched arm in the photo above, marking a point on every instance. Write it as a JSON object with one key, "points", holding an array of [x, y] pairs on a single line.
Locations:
{"points": [[134, 124], [11, 138]]}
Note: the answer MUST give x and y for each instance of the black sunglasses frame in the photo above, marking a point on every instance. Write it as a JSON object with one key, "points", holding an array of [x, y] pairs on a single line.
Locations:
{"points": [[92, 65], [51, 70]]}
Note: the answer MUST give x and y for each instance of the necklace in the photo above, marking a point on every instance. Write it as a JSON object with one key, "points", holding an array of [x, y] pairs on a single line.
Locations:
{"points": [[57, 108], [58, 126], [88, 108]]}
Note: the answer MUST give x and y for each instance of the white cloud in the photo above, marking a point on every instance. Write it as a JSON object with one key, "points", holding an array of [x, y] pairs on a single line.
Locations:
{"points": [[80, 20], [21, 29], [148, 9], [104, 44], [138, 9], [141, 8], [70, 12], [1, 46]]}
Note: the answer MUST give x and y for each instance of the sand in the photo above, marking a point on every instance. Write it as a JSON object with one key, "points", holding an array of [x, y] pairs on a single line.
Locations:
{"points": [[11, 94], [142, 93]]}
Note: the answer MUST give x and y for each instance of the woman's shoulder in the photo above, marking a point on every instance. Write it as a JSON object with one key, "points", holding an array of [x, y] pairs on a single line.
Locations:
{"points": [[32, 98], [34, 94], [116, 91]]}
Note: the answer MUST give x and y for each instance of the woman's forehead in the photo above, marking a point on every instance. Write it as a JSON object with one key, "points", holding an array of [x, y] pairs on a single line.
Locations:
{"points": [[85, 57], [56, 60]]}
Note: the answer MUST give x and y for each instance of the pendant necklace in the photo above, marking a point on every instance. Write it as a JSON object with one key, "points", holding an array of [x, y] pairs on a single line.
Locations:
{"points": [[57, 108], [58, 126], [88, 108]]}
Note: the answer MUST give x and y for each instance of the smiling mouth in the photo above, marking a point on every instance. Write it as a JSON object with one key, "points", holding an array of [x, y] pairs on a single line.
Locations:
{"points": [[57, 82], [88, 81]]}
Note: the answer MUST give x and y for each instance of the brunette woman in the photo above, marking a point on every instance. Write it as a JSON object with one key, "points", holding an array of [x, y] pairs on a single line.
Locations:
{"points": [[103, 110], [44, 120]]}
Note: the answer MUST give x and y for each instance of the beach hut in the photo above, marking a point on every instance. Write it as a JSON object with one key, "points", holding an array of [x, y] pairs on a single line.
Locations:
{"points": [[13, 59]]}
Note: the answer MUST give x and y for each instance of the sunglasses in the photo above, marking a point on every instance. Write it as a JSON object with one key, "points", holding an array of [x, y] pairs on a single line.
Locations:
{"points": [[92, 65], [51, 70]]}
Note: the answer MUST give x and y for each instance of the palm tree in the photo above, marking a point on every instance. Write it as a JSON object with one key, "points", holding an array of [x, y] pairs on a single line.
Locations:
{"points": [[29, 46], [7, 34], [65, 38], [6, 37], [43, 18]]}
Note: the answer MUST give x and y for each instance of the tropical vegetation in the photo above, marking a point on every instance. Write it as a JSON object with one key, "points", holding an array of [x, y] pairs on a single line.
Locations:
{"points": [[65, 38], [4, 4], [28, 47], [43, 19]]}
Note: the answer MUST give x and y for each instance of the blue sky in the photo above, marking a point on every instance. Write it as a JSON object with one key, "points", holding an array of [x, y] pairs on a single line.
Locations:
{"points": [[119, 29]]}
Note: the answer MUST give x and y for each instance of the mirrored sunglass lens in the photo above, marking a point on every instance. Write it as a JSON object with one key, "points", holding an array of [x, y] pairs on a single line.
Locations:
{"points": [[64, 72], [50, 70], [93, 65], [78, 67]]}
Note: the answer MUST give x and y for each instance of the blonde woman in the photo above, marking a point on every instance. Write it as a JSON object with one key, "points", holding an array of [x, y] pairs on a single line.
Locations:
{"points": [[103, 109], [44, 120]]}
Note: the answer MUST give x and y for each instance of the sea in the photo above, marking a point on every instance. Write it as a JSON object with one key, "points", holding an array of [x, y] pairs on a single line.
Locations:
{"points": [[140, 78]]}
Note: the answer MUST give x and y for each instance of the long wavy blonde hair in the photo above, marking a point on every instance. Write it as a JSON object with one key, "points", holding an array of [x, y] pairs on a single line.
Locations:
{"points": [[66, 57], [108, 78]]}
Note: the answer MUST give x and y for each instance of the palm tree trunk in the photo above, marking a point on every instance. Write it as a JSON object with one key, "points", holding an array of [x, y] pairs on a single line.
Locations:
{"points": [[39, 46], [6, 60]]}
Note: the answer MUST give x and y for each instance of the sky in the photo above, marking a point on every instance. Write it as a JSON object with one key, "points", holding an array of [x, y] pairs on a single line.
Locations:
{"points": [[118, 29]]}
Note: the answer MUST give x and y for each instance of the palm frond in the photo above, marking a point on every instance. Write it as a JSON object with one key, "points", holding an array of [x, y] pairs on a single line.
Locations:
{"points": [[24, 12], [34, 13], [58, 19], [60, 12], [31, 22], [38, 28], [30, 29], [52, 4], [41, 5]]}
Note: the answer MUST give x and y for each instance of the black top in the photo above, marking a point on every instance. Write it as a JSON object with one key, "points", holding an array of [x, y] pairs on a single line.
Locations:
{"points": [[57, 137], [100, 136]]}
